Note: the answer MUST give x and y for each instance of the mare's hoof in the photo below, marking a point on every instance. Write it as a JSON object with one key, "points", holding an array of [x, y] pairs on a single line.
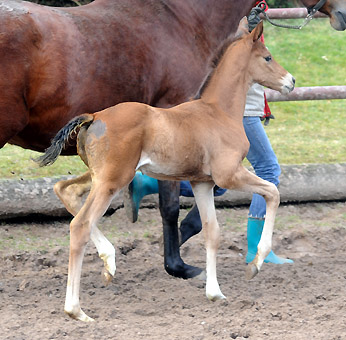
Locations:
{"points": [[202, 276], [251, 271], [183, 271], [191, 272]]}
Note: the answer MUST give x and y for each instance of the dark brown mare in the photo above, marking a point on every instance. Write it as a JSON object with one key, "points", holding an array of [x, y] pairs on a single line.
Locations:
{"points": [[202, 141], [58, 63], [336, 10]]}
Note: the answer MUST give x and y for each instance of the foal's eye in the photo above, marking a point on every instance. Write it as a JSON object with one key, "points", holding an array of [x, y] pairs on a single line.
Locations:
{"points": [[269, 58]]}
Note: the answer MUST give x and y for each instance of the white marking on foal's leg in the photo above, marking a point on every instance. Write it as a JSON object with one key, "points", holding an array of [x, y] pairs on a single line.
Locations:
{"points": [[263, 249], [106, 252], [204, 197], [212, 290], [82, 227], [72, 305], [249, 182], [265, 244]]}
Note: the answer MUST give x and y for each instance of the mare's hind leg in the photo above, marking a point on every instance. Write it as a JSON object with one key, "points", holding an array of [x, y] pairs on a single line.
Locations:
{"points": [[205, 201], [244, 180], [169, 208], [71, 194], [80, 228]]}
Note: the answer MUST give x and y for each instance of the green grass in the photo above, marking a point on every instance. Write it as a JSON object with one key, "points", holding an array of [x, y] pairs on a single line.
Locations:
{"points": [[17, 163], [315, 55], [22, 240], [303, 132], [309, 131]]}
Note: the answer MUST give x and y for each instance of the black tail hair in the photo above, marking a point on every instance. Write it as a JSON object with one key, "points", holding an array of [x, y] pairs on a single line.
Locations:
{"points": [[59, 141]]}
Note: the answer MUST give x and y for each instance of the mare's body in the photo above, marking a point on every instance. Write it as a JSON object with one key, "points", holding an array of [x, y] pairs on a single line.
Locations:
{"points": [[335, 9], [57, 63]]}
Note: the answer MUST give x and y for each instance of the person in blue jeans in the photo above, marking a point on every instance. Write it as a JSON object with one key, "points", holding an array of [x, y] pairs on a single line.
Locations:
{"points": [[265, 163], [262, 158]]}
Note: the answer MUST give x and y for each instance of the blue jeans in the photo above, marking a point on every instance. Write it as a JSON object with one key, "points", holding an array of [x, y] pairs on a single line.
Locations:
{"points": [[262, 158], [186, 190]]}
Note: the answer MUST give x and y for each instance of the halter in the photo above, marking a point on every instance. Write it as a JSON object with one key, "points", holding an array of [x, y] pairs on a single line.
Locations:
{"points": [[312, 10]]}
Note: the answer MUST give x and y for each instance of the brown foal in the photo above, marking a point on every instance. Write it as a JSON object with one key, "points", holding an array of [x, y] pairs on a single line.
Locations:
{"points": [[202, 141]]}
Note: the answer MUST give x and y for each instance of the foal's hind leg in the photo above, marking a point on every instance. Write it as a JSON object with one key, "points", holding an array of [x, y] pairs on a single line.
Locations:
{"points": [[80, 228], [205, 201], [71, 194]]}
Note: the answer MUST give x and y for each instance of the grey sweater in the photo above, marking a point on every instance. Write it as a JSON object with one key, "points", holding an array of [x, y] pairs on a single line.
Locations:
{"points": [[255, 101]]}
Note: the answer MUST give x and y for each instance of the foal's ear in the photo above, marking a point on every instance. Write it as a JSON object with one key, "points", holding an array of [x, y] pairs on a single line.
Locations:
{"points": [[243, 28], [257, 31]]}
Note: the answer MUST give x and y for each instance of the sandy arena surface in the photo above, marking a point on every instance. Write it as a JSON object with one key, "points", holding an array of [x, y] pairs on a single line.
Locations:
{"points": [[306, 300]]}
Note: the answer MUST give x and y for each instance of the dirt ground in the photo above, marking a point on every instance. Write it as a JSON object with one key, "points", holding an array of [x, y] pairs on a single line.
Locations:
{"points": [[306, 300]]}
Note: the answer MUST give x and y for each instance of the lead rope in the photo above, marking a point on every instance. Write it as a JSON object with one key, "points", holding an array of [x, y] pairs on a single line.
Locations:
{"points": [[311, 12]]}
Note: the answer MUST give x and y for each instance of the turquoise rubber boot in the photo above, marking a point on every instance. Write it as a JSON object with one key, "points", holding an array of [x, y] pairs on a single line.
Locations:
{"points": [[140, 186], [254, 232]]}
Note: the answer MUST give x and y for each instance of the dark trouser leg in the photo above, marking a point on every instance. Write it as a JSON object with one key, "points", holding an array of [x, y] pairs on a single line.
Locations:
{"points": [[190, 225], [169, 208]]}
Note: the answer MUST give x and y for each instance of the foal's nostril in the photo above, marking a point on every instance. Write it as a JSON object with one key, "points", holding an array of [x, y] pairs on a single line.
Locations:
{"points": [[293, 80]]}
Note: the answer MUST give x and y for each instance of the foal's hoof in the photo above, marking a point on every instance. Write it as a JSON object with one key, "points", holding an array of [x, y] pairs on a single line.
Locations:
{"points": [[106, 276], [109, 269], [80, 315], [251, 271], [213, 291], [216, 297]]}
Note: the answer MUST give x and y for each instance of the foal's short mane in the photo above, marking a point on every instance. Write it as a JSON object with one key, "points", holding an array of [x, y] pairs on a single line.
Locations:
{"points": [[215, 62]]}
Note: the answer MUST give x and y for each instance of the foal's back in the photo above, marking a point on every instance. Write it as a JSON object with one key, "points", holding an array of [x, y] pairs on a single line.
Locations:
{"points": [[183, 139]]}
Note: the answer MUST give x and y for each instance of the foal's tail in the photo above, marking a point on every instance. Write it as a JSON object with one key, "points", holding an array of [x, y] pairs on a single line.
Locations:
{"points": [[59, 141]]}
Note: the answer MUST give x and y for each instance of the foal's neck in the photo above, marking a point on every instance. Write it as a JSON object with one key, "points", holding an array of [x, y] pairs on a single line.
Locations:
{"points": [[230, 81]]}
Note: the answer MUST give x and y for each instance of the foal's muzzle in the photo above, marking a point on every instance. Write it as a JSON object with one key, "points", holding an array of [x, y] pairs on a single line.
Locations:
{"points": [[288, 83]]}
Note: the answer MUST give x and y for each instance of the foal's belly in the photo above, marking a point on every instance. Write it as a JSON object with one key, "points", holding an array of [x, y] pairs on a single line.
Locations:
{"points": [[174, 170]]}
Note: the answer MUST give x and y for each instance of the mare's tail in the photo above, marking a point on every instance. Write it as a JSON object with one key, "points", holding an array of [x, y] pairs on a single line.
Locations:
{"points": [[59, 141]]}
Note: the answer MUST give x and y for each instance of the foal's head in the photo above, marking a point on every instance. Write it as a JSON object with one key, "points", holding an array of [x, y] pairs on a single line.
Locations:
{"points": [[263, 69]]}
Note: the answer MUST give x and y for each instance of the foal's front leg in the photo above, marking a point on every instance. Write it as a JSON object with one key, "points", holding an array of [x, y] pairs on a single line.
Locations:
{"points": [[204, 197], [246, 181], [169, 209]]}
